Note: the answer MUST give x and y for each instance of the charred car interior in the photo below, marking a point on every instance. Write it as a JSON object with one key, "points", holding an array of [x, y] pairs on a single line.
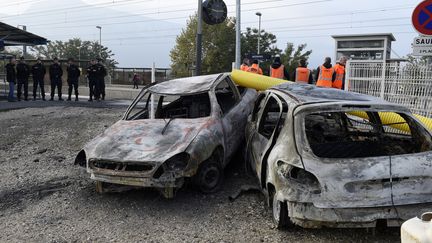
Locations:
{"points": [[342, 135], [171, 106]]}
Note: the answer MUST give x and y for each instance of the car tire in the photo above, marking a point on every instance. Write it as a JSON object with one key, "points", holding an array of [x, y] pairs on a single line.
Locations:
{"points": [[279, 212], [210, 176]]}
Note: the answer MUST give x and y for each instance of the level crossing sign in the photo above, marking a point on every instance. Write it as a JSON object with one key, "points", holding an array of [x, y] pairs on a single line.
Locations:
{"points": [[422, 18]]}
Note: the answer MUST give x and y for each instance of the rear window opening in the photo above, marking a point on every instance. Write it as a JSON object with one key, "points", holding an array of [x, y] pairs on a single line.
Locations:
{"points": [[364, 134], [170, 106]]}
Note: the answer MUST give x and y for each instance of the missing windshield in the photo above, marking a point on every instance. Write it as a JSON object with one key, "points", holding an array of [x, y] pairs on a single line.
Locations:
{"points": [[158, 106]]}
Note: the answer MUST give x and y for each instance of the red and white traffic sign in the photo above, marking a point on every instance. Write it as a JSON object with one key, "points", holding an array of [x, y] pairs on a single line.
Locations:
{"points": [[422, 18]]}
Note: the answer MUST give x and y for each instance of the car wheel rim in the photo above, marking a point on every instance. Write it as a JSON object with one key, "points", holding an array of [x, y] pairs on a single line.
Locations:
{"points": [[211, 177]]}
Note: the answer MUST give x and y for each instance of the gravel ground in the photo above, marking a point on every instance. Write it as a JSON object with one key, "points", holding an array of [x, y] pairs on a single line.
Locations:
{"points": [[45, 198]]}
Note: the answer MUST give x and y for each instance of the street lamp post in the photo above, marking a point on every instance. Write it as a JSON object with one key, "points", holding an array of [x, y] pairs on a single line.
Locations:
{"points": [[238, 35], [259, 31], [100, 39], [199, 40]]}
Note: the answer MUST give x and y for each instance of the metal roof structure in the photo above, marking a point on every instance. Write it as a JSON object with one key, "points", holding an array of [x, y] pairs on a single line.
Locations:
{"points": [[12, 36], [380, 35]]}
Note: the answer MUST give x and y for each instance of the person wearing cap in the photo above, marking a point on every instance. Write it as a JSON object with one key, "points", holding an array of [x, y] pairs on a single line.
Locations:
{"points": [[277, 69], [245, 64], [92, 77], [100, 81], [56, 73], [255, 68], [11, 78], [73, 73], [22, 75], [38, 72]]}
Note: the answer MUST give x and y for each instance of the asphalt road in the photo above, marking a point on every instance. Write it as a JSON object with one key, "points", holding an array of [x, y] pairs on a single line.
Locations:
{"points": [[45, 198]]}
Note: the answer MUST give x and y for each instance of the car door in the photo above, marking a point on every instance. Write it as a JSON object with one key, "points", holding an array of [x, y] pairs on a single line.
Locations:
{"points": [[232, 114], [349, 173], [267, 124], [411, 173]]}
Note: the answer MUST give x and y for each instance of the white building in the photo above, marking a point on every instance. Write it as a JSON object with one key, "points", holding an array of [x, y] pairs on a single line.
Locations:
{"points": [[370, 47]]}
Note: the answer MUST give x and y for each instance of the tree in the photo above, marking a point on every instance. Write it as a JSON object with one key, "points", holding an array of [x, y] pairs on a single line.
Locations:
{"points": [[249, 45], [77, 49], [292, 56], [18, 52], [218, 48]]}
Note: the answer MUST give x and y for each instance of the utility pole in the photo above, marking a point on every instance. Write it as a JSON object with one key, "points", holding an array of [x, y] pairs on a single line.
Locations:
{"points": [[238, 35], [24, 27], [100, 39], [199, 40], [259, 31]]}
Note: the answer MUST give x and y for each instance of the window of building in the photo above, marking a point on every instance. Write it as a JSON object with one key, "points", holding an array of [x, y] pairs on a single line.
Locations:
{"points": [[360, 44]]}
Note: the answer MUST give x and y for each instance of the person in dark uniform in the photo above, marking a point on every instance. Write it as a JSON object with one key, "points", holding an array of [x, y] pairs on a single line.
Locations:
{"points": [[22, 74], [38, 72], [56, 73], [92, 77], [73, 76], [100, 84], [11, 78]]}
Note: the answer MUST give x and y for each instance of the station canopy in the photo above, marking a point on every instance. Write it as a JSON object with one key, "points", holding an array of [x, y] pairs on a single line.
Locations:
{"points": [[12, 36]]}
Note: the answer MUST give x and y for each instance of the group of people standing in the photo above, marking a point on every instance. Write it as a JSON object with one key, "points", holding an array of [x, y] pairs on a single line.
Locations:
{"points": [[20, 72], [326, 75]]}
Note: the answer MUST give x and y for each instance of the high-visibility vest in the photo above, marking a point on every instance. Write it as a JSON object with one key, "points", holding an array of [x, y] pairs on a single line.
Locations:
{"points": [[302, 75], [340, 72], [255, 69], [277, 72], [244, 67], [325, 77]]}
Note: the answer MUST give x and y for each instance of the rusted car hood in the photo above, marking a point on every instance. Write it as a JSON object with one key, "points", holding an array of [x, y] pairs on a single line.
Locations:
{"points": [[142, 140]]}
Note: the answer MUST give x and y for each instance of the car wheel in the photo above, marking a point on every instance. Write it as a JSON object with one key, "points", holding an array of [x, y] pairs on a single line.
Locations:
{"points": [[280, 213], [210, 175]]}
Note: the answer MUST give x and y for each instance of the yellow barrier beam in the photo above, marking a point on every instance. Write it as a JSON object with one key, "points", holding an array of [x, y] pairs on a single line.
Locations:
{"points": [[254, 81], [261, 82]]}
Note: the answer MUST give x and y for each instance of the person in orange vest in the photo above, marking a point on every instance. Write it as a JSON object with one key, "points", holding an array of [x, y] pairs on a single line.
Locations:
{"points": [[245, 65], [277, 69], [339, 82], [302, 74], [325, 74], [255, 68]]}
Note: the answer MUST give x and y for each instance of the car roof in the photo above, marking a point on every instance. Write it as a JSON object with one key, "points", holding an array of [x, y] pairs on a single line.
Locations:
{"points": [[306, 94], [189, 85]]}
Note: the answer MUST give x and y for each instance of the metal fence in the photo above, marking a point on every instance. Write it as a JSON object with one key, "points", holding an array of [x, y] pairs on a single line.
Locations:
{"points": [[402, 83], [124, 76]]}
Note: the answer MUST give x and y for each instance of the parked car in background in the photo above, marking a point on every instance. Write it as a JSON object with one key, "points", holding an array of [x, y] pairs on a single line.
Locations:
{"points": [[326, 157], [186, 128]]}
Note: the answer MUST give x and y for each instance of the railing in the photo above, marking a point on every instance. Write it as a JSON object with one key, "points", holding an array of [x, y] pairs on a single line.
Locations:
{"points": [[405, 84]]}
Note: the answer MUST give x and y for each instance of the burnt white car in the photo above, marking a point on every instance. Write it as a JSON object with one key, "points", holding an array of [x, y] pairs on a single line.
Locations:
{"points": [[186, 128], [325, 157]]}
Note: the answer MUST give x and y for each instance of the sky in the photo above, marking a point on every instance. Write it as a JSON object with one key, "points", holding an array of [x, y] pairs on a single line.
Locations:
{"points": [[141, 32]]}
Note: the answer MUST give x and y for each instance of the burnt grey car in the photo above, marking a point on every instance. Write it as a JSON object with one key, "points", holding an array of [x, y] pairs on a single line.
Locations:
{"points": [[325, 157], [173, 131]]}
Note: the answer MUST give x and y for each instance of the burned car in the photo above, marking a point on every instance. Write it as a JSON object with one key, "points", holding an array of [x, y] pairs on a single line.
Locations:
{"points": [[186, 128], [326, 157]]}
